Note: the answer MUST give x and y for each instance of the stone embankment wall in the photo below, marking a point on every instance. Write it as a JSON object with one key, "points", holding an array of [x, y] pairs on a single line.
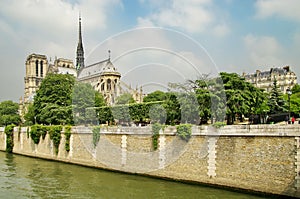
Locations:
{"points": [[263, 158]]}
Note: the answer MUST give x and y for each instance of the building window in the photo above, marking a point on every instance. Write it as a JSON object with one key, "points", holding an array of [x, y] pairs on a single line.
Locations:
{"points": [[42, 71], [108, 84], [36, 68]]}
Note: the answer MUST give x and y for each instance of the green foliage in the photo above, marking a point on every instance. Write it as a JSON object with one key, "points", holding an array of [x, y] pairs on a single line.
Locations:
{"points": [[218, 124], [276, 101], [9, 131], [96, 135], [242, 97], [184, 131], [157, 114], [105, 115], [125, 98], [188, 107], [201, 100], [137, 112], [296, 89], [172, 108], [55, 136], [29, 115], [37, 131], [155, 96], [68, 136], [84, 101], [294, 102], [155, 134], [121, 113], [53, 101], [9, 113]]}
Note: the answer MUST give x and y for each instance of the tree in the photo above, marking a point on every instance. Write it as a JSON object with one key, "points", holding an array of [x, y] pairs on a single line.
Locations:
{"points": [[30, 115], [85, 100], [276, 101], [296, 89], [9, 113], [125, 98], [295, 103], [155, 96], [205, 96], [242, 97], [172, 108], [294, 99], [157, 114], [53, 101]]}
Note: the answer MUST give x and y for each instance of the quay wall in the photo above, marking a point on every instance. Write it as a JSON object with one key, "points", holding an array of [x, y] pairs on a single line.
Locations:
{"points": [[259, 158]]}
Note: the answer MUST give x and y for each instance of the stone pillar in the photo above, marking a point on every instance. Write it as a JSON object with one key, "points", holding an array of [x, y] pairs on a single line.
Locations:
{"points": [[71, 146], [162, 150], [297, 163], [124, 150], [211, 168]]}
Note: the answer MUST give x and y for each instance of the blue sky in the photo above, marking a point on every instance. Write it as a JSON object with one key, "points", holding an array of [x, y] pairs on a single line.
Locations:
{"points": [[194, 37]]}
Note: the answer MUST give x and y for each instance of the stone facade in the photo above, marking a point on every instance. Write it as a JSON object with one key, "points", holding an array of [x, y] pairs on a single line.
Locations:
{"points": [[261, 158], [265, 79]]}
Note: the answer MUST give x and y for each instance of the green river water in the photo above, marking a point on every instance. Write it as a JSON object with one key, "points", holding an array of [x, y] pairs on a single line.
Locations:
{"points": [[24, 177]]}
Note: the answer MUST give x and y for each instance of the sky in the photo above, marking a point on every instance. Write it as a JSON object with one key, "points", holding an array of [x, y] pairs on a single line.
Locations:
{"points": [[152, 42]]}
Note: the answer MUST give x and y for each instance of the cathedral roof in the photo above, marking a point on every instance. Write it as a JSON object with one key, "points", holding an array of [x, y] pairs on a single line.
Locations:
{"points": [[98, 69]]}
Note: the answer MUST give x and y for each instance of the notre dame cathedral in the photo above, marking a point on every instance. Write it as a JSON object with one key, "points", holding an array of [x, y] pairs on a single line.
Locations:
{"points": [[103, 75]]}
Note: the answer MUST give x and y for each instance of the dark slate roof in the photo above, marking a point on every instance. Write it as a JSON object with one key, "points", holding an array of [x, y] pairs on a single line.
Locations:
{"points": [[92, 70]]}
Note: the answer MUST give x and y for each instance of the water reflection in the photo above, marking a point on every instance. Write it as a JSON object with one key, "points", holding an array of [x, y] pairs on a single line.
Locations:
{"points": [[23, 177]]}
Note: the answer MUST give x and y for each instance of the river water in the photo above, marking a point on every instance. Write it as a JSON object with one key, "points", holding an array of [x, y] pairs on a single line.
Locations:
{"points": [[24, 177]]}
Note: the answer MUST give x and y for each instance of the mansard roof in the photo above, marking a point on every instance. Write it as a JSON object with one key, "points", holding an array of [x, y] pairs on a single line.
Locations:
{"points": [[268, 73]]}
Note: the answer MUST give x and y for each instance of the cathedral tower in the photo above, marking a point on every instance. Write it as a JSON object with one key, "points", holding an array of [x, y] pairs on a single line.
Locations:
{"points": [[79, 52], [36, 69]]}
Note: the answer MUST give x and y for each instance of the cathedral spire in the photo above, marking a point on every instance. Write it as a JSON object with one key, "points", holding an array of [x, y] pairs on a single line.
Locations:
{"points": [[79, 52]]}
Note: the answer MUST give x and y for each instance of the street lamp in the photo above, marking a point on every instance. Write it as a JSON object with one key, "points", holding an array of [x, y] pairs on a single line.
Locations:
{"points": [[289, 92]]}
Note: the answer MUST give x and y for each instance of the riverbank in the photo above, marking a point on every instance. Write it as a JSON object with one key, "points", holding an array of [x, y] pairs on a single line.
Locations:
{"points": [[258, 158]]}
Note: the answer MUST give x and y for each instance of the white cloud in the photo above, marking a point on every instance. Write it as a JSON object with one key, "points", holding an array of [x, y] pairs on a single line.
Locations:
{"points": [[221, 30], [48, 27], [191, 15], [283, 8], [263, 50]]}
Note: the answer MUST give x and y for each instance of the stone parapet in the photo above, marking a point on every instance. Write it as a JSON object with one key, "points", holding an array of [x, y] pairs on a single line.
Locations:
{"points": [[261, 158]]}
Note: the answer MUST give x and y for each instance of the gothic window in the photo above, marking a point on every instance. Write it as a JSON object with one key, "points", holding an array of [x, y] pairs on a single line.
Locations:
{"points": [[102, 87], [41, 68], [108, 84], [115, 85], [36, 68]]}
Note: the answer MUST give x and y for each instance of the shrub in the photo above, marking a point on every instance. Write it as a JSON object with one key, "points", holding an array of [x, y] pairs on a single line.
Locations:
{"points": [[184, 131], [55, 136], [155, 134], [218, 124], [36, 131], [68, 136], [9, 131], [96, 135]]}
